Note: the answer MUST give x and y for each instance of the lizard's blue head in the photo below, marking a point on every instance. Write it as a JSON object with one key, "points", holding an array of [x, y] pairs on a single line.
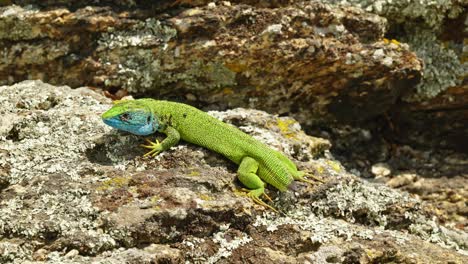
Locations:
{"points": [[133, 116]]}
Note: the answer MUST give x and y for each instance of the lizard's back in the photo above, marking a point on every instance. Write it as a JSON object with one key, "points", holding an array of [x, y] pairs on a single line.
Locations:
{"points": [[197, 127]]}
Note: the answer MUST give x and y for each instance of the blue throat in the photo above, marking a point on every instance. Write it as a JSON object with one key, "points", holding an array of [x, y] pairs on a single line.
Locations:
{"points": [[136, 124]]}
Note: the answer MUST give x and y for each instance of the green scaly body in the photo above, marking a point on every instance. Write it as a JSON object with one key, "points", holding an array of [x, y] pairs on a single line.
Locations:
{"points": [[257, 162], [201, 129]]}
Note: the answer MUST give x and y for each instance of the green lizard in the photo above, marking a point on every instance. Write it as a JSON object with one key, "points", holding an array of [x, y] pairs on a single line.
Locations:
{"points": [[257, 162]]}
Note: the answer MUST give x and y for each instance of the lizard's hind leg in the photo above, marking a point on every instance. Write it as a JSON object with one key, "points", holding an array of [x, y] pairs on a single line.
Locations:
{"points": [[247, 175]]}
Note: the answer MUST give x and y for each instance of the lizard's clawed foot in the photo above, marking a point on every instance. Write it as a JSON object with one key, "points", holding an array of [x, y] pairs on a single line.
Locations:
{"points": [[300, 177], [155, 148], [255, 196]]}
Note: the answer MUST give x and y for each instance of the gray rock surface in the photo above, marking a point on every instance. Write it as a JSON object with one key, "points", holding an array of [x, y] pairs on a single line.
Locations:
{"points": [[74, 191]]}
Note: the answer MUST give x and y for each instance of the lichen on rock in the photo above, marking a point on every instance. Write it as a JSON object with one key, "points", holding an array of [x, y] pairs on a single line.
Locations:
{"points": [[75, 191], [131, 51], [421, 24], [432, 13], [228, 55], [443, 67]]}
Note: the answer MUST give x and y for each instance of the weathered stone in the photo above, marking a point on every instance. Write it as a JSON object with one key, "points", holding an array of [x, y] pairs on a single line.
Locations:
{"points": [[79, 192], [433, 31], [308, 59]]}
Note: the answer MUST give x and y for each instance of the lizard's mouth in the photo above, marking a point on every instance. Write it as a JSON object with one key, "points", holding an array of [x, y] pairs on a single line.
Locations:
{"points": [[110, 122]]}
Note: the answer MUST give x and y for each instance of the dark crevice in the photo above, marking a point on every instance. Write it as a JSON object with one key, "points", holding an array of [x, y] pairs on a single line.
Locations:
{"points": [[13, 134], [98, 155]]}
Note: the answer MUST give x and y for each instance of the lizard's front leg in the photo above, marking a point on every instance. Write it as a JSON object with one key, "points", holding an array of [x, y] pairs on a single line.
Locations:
{"points": [[157, 147]]}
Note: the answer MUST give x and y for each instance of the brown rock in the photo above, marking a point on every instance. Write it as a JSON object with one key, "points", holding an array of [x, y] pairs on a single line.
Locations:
{"points": [[307, 59]]}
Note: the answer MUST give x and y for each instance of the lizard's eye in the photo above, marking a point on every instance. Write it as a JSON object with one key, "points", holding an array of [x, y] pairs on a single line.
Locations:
{"points": [[124, 117], [148, 119]]}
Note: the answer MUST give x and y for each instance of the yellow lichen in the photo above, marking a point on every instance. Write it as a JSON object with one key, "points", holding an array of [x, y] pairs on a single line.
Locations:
{"points": [[334, 165], [194, 173], [155, 201], [113, 183], [319, 169], [236, 67], [227, 91], [205, 197], [371, 253], [393, 41], [284, 126]]}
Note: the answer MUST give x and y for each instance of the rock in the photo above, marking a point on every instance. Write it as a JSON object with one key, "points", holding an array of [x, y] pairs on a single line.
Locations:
{"points": [[92, 196], [338, 66], [434, 114], [40, 255], [261, 255], [381, 170], [72, 253], [402, 180], [432, 30]]}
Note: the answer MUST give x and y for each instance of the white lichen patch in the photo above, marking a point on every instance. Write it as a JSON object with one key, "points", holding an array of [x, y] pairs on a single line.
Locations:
{"points": [[273, 29], [11, 250], [144, 34], [443, 68], [45, 154], [333, 216], [138, 66], [227, 246], [348, 198], [429, 230], [320, 229], [49, 133], [139, 52], [14, 26], [432, 12]]}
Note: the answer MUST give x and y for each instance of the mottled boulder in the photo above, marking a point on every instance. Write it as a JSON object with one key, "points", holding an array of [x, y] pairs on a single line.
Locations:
{"points": [[75, 191], [433, 30], [434, 115], [309, 59]]}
